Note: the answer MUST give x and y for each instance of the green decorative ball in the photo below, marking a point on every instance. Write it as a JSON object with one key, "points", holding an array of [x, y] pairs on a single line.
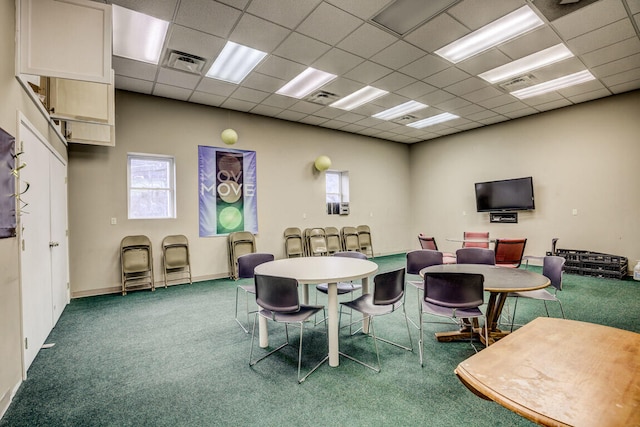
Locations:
{"points": [[229, 136]]}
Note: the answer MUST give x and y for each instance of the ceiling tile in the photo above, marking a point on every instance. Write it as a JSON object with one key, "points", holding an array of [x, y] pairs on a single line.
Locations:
{"points": [[441, 30], [280, 68], [477, 13], [216, 87], [238, 105], [313, 120], [588, 96], [425, 66], [208, 16], [266, 110], [248, 94], [133, 85], [134, 69], [288, 13], [485, 61], [263, 82], [621, 65], [194, 42], [436, 97], [393, 82], [368, 72], [172, 92], [483, 94], [610, 53], [305, 107], [291, 115], [328, 24], [300, 48], [178, 78], [163, 10], [337, 61], [207, 99], [280, 101], [366, 41], [271, 35], [361, 9], [416, 89], [447, 77], [602, 37], [466, 86], [589, 18], [398, 55]]}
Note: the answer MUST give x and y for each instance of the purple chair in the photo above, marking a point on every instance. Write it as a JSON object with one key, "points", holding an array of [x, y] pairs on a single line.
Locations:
{"points": [[416, 261], [476, 256], [457, 296], [552, 267], [278, 300], [387, 297], [246, 264]]}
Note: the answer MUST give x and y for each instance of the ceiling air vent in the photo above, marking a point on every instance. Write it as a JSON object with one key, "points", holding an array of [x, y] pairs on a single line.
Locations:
{"points": [[322, 97], [519, 82], [185, 62], [403, 120]]}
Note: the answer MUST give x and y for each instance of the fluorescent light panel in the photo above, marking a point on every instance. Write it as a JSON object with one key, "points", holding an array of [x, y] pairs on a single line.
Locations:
{"points": [[356, 99], [137, 36], [534, 61], [552, 85], [305, 83], [444, 117], [400, 110], [403, 15], [499, 31], [235, 62]]}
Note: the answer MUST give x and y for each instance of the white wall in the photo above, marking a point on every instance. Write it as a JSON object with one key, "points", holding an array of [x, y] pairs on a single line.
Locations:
{"points": [[289, 192], [583, 157], [13, 99]]}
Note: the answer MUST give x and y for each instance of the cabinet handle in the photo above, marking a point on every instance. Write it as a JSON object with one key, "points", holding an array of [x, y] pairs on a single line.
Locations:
{"points": [[53, 244]]}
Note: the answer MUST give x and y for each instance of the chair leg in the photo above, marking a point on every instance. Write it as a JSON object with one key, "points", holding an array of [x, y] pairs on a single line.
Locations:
{"points": [[513, 317], [375, 343]]}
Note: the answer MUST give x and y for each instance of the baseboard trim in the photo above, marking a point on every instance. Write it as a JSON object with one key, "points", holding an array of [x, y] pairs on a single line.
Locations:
{"points": [[7, 398], [118, 289]]}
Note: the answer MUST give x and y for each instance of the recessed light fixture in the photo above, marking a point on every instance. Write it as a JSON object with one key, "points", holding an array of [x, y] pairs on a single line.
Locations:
{"points": [[235, 62], [430, 121], [556, 84], [534, 61], [137, 36], [400, 110], [305, 83], [499, 31], [356, 99]]}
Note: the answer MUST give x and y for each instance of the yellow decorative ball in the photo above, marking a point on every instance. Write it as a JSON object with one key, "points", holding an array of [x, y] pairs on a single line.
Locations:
{"points": [[323, 163], [229, 136]]}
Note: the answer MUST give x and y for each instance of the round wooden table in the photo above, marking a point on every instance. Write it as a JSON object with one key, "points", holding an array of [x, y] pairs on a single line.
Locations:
{"points": [[498, 281]]}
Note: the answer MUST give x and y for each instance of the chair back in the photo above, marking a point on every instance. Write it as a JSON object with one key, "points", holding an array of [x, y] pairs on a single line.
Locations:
{"points": [[175, 250], [422, 258], [351, 254], [552, 269], [136, 254], [509, 252], [476, 256], [364, 235], [427, 242], [248, 262], [389, 287], [454, 290], [480, 235], [317, 241], [333, 240], [293, 242], [350, 240], [278, 294]]}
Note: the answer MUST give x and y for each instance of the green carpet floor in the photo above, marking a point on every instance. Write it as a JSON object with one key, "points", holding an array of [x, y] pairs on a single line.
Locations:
{"points": [[176, 357]]}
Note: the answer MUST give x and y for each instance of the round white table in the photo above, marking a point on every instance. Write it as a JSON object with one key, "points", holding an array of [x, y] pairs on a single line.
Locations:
{"points": [[314, 270]]}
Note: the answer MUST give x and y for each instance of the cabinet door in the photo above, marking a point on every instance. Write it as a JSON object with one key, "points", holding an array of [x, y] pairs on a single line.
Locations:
{"points": [[90, 133], [46, 46], [82, 101]]}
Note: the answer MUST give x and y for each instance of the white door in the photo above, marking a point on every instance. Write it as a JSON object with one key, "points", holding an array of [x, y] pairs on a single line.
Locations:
{"points": [[43, 284]]}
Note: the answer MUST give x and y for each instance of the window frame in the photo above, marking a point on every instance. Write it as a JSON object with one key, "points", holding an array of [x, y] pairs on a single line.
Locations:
{"points": [[171, 189]]}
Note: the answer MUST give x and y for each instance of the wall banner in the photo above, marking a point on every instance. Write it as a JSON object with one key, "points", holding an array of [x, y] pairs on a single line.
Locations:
{"points": [[227, 191]]}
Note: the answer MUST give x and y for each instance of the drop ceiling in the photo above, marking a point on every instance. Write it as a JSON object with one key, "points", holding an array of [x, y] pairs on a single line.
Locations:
{"points": [[341, 37]]}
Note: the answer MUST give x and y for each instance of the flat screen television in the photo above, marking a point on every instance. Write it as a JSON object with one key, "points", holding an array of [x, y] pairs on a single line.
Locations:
{"points": [[505, 195]]}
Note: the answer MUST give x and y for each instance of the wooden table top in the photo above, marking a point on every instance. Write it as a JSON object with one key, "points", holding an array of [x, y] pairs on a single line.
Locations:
{"points": [[559, 372]]}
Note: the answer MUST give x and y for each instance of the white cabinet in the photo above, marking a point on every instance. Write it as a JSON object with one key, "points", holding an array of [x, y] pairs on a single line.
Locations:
{"points": [[87, 109], [69, 39], [67, 43]]}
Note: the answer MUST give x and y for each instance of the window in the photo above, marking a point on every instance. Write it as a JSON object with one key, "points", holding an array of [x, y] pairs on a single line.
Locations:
{"points": [[151, 186], [337, 183]]}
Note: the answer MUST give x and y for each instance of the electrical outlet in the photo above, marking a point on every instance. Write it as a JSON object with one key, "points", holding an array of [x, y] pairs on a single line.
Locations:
{"points": [[114, 221]]}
